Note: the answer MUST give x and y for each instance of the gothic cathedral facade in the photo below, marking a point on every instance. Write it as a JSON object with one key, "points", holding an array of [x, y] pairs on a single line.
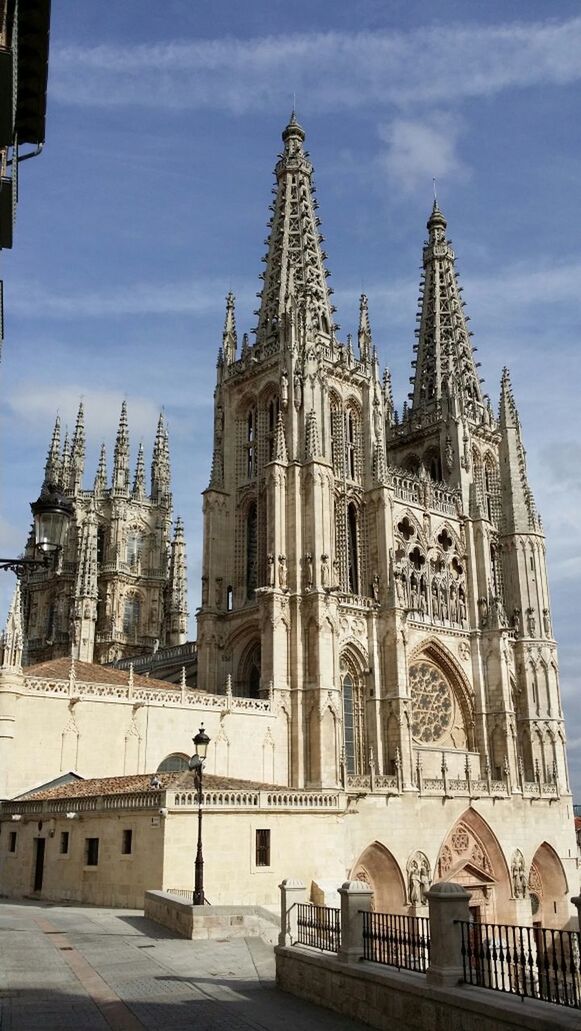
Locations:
{"points": [[382, 576]]}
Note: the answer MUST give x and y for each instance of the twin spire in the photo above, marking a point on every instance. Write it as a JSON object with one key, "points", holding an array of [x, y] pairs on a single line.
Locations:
{"points": [[65, 465]]}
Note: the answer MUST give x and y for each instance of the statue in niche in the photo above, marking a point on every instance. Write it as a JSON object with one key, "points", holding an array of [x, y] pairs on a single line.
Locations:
{"points": [[284, 390], [419, 879], [499, 612], [270, 564], [531, 622], [325, 571], [309, 571], [519, 878], [547, 622], [449, 454], [336, 574], [414, 591], [425, 881], [423, 596], [483, 611], [414, 884], [462, 608], [298, 389], [444, 603], [377, 420], [516, 621], [375, 588], [435, 601], [401, 589], [282, 572], [453, 606]]}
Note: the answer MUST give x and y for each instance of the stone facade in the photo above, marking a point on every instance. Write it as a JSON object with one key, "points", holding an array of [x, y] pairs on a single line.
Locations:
{"points": [[120, 585]]}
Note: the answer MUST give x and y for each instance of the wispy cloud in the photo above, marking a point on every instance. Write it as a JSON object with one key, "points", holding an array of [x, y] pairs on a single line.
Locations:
{"points": [[420, 149], [333, 69], [33, 300]]}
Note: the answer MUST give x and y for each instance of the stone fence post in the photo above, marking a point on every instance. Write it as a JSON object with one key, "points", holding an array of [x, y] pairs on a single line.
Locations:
{"points": [[292, 892], [448, 903], [355, 897]]}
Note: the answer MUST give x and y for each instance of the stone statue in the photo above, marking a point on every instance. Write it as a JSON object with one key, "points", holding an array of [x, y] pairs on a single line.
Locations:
{"points": [[309, 570], [516, 622], [270, 562], [483, 611], [325, 571], [415, 888], [400, 589], [547, 622], [462, 607], [336, 574], [519, 879], [435, 601], [284, 389], [298, 389], [500, 614], [282, 572], [531, 622], [425, 882], [375, 588]]}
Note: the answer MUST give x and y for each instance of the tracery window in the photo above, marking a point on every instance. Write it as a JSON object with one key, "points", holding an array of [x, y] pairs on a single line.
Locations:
{"points": [[432, 703], [353, 548], [131, 614], [251, 444], [134, 549], [174, 763], [272, 419], [353, 723]]}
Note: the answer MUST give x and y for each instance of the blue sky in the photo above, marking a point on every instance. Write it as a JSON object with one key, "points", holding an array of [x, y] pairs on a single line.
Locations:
{"points": [[150, 202]]}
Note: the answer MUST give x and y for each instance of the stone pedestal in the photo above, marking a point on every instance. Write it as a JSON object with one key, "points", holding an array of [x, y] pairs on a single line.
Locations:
{"points": [[448, 904], [292, 892], [355, 899]]}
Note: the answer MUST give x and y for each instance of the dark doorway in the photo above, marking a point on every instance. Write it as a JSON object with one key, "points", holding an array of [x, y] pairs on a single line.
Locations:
{"points": [[39, 863]]}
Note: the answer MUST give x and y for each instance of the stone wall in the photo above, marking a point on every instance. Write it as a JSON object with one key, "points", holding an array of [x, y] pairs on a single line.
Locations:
{"points": [[385, 998], [198, 922]]}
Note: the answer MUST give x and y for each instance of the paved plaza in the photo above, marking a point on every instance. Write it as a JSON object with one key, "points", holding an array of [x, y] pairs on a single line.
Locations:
{"points": [[65, 968]]}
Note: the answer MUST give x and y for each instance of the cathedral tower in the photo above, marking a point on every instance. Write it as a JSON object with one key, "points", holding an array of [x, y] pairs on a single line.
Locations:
{"points": [[381, 578], [119, 589]]}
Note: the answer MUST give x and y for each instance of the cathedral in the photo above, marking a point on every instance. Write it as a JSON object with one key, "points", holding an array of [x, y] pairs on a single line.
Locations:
{"points": [[375, 629]]}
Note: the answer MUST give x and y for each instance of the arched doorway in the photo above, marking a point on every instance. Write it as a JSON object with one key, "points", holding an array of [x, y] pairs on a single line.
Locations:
{"points": [[548, 889], [378, 868], [472, 856]]}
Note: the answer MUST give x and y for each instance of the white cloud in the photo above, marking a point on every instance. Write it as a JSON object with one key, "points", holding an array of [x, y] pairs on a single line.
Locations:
{"points": [[37, 407], [334, 69], [419, 150]]}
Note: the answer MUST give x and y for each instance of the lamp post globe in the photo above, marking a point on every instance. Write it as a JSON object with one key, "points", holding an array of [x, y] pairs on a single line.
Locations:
{"points": [[52, 513]]}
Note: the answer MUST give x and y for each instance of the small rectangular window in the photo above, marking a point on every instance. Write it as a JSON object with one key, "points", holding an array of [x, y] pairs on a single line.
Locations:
{"points": [[263, 848], [127, 843], [64, 845], [91, 851], [12, 842]]}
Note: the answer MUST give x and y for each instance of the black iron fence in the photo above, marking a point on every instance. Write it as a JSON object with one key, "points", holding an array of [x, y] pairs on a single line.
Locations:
{"points": [[397, 941], [319, 926], [533, 962]]}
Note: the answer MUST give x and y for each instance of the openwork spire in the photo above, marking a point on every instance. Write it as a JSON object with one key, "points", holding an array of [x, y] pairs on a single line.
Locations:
{"points": [[77, 464], [100, 485], [177, 588], [445, 361], [53, 468], [295, 269], [364, 334], [519, 509], [139, 478], [121, 455], [12, 639], [86, 580], [229, 338], [160, 468]]}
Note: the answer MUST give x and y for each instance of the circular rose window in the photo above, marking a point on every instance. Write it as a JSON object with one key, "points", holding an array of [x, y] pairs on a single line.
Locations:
{"points": [[432, 703]]}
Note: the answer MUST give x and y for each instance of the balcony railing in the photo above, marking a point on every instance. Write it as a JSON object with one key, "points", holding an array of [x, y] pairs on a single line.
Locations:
{"points": [[319, 927], [397, 941]]}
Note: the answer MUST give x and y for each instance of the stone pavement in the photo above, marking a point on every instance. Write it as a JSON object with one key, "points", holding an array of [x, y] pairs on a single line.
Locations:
{"points": [[65, 968]]}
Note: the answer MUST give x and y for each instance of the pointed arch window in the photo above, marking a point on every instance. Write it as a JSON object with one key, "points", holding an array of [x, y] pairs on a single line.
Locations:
{"points": [[251, 552], [272, 411], [131, 615], [251, 444], [353, 548], [134, 549], [353, 723]]}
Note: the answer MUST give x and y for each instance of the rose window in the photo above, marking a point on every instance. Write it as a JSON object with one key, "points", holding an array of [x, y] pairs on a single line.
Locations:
{"points": [[433, 705]]}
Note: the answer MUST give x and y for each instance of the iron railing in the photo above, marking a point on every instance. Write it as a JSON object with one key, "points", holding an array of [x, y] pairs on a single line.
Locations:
{"points": [[397, 941], [319, 927], [532, 962]]}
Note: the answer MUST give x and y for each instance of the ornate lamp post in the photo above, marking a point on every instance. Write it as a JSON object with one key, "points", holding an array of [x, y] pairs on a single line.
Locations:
{"points": [[196, 763], [52, 513]]}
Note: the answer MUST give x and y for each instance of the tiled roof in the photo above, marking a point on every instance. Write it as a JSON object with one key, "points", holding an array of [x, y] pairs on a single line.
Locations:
{"points": [[92, 673], [141, 782]]}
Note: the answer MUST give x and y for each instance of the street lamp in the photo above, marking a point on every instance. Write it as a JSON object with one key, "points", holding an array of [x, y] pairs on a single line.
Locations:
{"points": [[196, 764], [52, 513]]}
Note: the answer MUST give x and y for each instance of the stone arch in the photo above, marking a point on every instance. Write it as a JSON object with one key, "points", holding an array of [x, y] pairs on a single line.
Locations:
{"points": [[176, 762], [378, 868], [437, 654], [471, 855], [411, 463], [548, 883], [248, 671]]}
